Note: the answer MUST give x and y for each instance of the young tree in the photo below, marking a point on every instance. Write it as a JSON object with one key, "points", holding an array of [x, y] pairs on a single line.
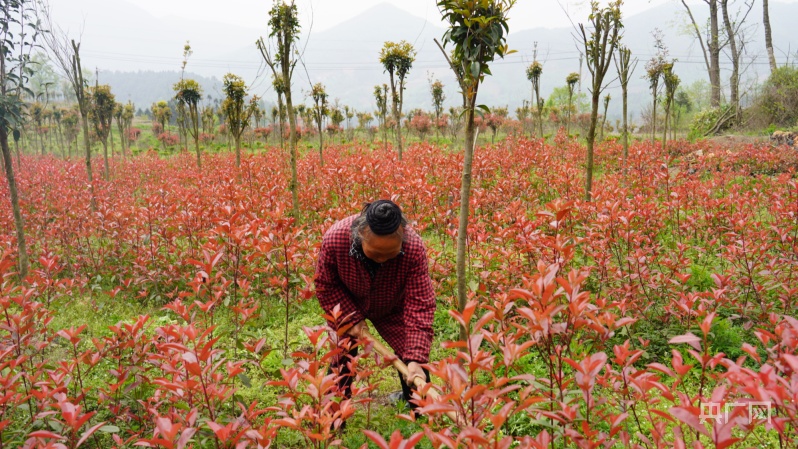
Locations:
{"points": [[16, 19], [381, 96], [364, 120], [101, 115], [188, 94], [571, 81], [600, 43], [671, 84], [236, 110], [654, 69], [71, 122], [65, 53], [319, 109], [128, 113], [478, 33], [162, 113], [284, 24], [438, 97], [533, 73], [625, 66], [397, 58], [120, 125]]}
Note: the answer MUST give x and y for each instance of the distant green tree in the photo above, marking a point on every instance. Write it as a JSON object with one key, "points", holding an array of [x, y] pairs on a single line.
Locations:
{"points": [[188, 94], [397, 59], [364, 120], [438, 97], [101, 115], [236, 110], [477, 32], [625, 67], [71, 121], [162, 114], [319, 109], [381, 96], [654, 70], [671, 84], [533, 73], [571, 81]]}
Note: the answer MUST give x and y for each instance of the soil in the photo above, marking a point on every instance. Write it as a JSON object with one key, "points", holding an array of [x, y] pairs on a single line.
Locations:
{"points": [[733, 142]]}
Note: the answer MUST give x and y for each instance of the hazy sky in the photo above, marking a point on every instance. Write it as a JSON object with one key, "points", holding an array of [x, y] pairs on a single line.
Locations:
{"points": [[327, 13]]}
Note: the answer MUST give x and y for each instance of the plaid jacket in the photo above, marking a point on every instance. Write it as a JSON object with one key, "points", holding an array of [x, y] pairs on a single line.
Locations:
{"points": [[399, 300]]}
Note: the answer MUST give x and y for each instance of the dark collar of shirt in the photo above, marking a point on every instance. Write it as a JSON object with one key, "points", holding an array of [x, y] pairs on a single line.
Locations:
{"points": [[356, 251]]}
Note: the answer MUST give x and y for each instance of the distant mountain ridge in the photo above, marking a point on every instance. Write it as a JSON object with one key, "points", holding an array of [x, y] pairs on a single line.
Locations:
{"points": [[345, 57]]}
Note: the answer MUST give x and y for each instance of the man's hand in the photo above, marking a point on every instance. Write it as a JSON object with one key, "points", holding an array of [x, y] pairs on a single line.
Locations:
{"points": [[357, 329], [414, 370]]}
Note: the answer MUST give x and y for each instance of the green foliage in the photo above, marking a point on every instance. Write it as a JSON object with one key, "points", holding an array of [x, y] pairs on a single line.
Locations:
{"points": [[319, 109], [778, 97], [188, 92], [559, 99], [438, 97], [101, 112], [162, 113], [534, 71], [235, 90], [19, 30], [397, 58], [478, 31], [704, 121], [284, 23]]}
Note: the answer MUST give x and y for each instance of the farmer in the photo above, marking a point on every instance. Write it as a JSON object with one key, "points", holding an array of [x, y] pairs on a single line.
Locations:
{"points": [[375, 267]]}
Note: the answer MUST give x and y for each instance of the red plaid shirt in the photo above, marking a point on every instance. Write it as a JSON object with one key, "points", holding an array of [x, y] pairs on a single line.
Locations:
{"points": [[399, 300]]}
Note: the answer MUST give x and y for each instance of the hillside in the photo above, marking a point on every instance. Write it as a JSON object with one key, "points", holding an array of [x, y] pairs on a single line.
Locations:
{"points": [[345, 57]]}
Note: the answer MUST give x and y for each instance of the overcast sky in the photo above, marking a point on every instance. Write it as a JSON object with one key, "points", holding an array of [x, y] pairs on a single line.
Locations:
{"points": [[327, 13]]}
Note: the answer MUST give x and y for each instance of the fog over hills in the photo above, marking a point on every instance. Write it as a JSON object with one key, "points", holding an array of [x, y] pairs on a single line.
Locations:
{"points": [[121, 37]]}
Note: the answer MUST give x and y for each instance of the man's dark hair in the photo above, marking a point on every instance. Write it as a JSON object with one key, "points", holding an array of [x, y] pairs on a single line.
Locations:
{"points": [[383, 217]]}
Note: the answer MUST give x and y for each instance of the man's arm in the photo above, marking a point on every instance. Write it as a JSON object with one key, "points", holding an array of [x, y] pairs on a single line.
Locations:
{"points": [[329, 288], [419, 311]]}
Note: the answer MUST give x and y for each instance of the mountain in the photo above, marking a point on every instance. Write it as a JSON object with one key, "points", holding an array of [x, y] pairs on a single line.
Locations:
{"points": [[345, 57]]}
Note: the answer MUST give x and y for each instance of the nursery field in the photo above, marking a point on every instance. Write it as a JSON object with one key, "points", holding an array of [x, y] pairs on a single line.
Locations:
{"points": [[173, 306]]}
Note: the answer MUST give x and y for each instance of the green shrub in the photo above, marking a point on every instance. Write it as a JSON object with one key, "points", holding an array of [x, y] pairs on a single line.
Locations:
{"points": [[778, 97], [704, 121]]}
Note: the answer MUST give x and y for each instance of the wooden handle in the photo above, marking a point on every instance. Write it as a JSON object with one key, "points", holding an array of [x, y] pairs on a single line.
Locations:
{"points": [[402, 368]]}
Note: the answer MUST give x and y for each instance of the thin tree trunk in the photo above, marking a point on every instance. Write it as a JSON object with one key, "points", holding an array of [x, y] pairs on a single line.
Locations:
{"points": [[591, 140], [286, 66], [84, 118], [624, 94], [665, 129], [734, 80], [237, 140], [19, 152], [12, 188], [106, 174], [714, 53], [321, 143], [465, 200], [654, 118], [768, 35], [711, 58]]}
